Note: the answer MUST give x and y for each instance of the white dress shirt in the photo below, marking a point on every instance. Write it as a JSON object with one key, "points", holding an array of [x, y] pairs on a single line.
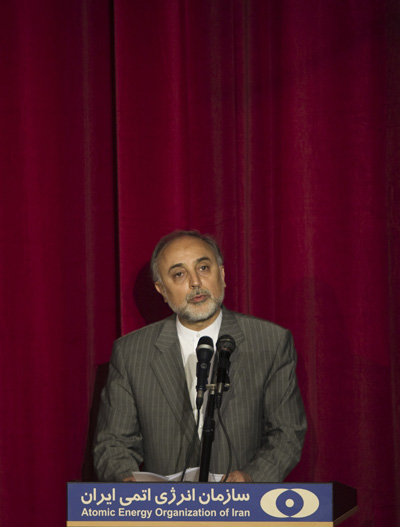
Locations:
{"points": [[188, 340]]}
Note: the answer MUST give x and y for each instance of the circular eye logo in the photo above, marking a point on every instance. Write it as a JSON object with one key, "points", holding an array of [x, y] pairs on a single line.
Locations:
{"points": [[289, 503]]}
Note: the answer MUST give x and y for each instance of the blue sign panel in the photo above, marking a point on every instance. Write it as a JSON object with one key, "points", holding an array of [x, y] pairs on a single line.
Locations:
{"points": [[216, 502]]}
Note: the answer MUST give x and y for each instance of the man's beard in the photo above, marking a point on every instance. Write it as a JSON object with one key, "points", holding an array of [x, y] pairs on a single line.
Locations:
{"points": [[201, 311]]}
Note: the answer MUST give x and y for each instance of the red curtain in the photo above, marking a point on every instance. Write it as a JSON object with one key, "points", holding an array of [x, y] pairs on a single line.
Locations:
{"points": [[273, 126]]}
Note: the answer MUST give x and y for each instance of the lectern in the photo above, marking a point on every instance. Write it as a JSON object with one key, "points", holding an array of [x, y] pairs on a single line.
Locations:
{"points": [[209, 504]]}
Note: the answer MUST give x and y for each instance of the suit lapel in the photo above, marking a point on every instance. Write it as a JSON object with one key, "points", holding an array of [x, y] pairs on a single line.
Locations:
{"points": [[168, 368]]}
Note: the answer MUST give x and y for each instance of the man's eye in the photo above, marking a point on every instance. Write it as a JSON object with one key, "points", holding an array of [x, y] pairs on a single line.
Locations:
{"points": [[204, 268], [179, 274]]}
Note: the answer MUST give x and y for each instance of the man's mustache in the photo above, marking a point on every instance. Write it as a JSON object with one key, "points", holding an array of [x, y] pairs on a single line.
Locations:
{"points": [[197, 293]]}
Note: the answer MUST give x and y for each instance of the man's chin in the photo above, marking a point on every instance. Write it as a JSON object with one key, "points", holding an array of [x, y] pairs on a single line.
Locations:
{"points": [[198, 313]]}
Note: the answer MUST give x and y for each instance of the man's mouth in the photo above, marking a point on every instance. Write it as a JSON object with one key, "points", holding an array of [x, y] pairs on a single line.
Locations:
{"points": [[198, 298]]}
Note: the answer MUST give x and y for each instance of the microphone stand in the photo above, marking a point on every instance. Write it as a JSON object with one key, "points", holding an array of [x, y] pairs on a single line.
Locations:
{"points": [[220, 383], [214, 400], [208, 435]]}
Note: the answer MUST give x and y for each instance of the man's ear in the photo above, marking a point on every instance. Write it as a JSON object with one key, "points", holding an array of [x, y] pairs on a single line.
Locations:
{"points": [[222, 269], [160, 289]]}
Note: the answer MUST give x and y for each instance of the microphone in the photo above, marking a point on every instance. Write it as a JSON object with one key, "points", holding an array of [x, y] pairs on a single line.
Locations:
{"points": [[225, 347], [204, 352]]}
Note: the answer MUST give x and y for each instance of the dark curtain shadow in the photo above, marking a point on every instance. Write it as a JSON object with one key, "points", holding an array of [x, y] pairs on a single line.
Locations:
{"points": [[88, 473], [152, 308], [148, 301]]}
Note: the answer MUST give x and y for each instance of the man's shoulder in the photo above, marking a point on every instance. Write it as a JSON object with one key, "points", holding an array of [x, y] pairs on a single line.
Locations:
{"points": [[250, 322], [254, 331], [148, 332]]}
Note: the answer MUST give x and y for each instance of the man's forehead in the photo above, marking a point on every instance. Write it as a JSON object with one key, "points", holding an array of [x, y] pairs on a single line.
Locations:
{"points": [[186, 250]]}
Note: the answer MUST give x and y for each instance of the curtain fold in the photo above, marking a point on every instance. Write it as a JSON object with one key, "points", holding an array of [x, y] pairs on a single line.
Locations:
{"points": [[57, 263], [273, 126]]}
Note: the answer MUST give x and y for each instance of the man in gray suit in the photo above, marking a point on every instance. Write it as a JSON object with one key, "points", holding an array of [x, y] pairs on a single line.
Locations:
{"points": [[147, 412]]}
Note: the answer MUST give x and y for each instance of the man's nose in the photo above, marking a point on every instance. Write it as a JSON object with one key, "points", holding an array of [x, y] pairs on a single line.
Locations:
{"points": [[194, 280]]}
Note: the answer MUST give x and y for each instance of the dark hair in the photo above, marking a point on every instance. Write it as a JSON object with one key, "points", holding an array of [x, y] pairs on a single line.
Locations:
{"points": [[175, 235]]}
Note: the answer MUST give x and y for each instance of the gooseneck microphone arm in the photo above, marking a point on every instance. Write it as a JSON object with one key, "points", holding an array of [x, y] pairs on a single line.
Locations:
{"points": [[225, 347], [208, 429], [204, 352]]}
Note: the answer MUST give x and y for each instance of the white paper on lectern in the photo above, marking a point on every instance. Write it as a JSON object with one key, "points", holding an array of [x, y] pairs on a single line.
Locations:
{"points": [[191, 474]]}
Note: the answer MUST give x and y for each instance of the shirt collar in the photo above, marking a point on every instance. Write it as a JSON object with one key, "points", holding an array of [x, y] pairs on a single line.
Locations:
{"points": [[193, 335]]}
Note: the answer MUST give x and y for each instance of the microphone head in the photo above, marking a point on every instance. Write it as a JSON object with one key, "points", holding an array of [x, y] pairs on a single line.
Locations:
{"points": [[205, 349], [226, 343], [206, 341], [204, 352]]}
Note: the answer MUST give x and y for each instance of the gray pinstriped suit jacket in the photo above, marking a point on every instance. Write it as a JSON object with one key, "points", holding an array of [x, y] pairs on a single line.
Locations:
{"points": [[146, 415]]}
